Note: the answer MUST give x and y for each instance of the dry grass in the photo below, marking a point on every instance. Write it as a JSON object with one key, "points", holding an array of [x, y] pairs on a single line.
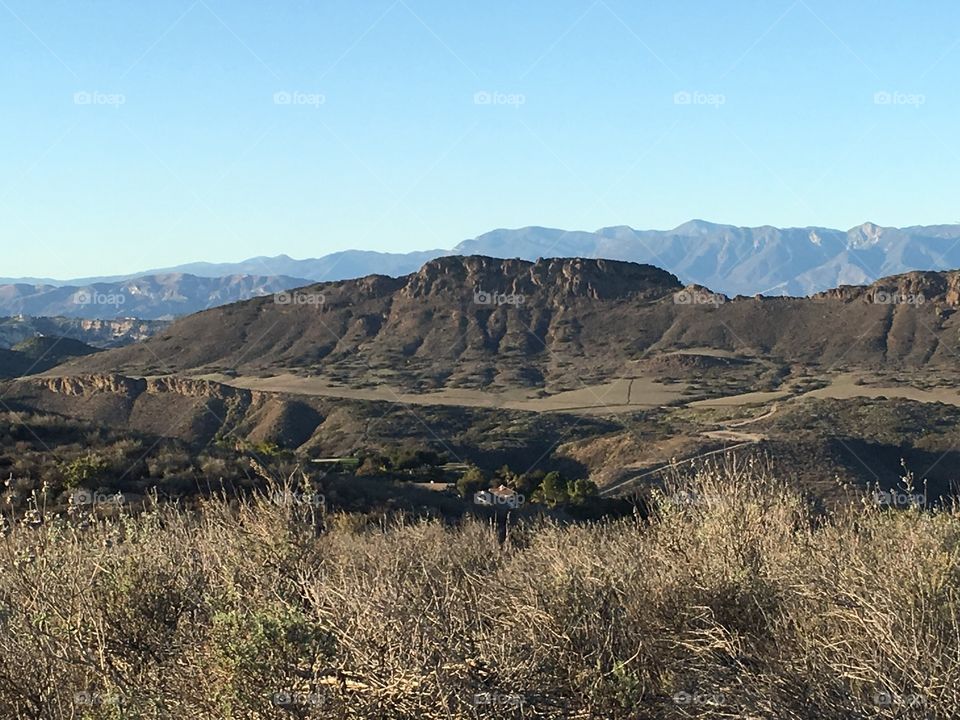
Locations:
{"points": [[730, 602]]}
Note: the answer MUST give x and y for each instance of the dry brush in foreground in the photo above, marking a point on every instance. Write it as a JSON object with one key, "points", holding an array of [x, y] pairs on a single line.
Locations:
{"points": [[730, 601]]}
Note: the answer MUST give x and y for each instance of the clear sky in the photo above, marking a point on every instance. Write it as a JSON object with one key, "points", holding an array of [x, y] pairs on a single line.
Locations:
{"points": [[144, 134]]}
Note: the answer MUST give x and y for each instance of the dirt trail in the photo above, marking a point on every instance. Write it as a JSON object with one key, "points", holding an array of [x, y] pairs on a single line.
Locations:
{"points": [[739, 438], [614, 487]]}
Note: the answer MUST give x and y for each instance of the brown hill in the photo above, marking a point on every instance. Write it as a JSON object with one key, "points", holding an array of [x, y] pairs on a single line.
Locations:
{"points": [[487, 323], [198, 412], [458, 321], [39, 354]]}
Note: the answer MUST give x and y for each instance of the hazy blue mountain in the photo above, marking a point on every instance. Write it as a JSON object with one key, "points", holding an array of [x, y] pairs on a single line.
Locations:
{"points": [[151, 297], [335, 266], [739, 260], [726, 258]]}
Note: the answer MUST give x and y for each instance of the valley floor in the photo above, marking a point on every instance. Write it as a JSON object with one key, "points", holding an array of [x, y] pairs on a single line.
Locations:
{"points": [[623, 395]]}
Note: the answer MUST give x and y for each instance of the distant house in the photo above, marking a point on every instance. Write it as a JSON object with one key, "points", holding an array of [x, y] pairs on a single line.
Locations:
{"points": [[501, 495]]}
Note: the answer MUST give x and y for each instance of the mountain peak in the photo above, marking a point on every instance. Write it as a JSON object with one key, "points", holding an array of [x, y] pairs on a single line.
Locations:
{"points": [[695, 227], [866, 235]]}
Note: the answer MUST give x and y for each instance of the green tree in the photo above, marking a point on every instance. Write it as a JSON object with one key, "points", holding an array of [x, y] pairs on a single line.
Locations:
{"points": [[527, 483], [471, 481], [411, 459], [553, 489], [505, 475], [582, 490]]}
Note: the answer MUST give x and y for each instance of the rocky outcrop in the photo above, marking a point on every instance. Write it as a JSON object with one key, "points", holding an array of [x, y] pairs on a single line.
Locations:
{"points": [[914, 288], [552, 279], [82, 385], [189, 387]]}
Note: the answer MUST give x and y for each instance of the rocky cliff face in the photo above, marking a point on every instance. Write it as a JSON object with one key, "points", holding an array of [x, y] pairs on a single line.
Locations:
{"points": [[549, 279], [914, 288], [84, 385], [97, 333], [131, 388], [104, 333]]}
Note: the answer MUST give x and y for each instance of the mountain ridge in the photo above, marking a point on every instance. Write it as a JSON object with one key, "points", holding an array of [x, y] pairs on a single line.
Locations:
{"points": [[481, 322], [734, 260], [148, 297]]}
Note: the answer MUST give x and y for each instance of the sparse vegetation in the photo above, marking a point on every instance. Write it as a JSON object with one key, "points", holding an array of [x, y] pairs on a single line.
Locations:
{"points": [[730, 600]]}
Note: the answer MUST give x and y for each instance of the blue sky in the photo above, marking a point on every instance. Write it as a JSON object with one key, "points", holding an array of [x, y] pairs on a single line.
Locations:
{"points": [[140, 135]]}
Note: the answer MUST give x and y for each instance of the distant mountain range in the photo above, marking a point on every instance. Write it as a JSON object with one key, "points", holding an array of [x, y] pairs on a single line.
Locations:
{"points": [[745, 261], [728, 259], [335, 266], [149, 297]]}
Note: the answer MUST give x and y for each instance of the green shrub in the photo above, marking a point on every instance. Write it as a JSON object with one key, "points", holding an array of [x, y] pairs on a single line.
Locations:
{"points": [[86, 471]]}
